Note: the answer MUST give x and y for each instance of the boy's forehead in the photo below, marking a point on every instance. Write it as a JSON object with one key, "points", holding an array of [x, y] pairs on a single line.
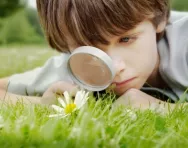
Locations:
{"points": [[138, 28]]}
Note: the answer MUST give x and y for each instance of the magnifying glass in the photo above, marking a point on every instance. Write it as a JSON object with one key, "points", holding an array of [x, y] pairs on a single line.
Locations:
{"points": [[91, 68]]}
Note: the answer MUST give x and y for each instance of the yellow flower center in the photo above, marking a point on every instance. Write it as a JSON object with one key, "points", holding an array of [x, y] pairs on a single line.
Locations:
{"points": [[69, 108]]}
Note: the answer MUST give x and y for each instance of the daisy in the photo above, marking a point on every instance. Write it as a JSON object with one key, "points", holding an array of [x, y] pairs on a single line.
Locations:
{"points": [[68, 105]]}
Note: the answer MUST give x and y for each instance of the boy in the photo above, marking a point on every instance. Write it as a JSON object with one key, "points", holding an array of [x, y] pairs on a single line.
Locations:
{"points": [[146, 42]]}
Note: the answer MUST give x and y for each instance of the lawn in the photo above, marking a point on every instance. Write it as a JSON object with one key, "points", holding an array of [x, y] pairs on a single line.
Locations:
{"points": [[95, 125]]}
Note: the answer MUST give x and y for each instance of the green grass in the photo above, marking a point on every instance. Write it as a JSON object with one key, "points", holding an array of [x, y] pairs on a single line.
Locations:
{"points": [[95, 125]]}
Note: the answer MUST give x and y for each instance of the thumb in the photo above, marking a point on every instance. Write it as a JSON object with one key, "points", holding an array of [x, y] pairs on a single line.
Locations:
{"points": [[72, 92]]}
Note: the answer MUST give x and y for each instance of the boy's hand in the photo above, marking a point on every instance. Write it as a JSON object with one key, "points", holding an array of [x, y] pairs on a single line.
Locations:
{"points": [[57, 89], [137, 99]]}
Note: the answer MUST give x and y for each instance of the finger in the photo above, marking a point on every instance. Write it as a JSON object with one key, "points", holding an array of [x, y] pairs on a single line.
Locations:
{"points": [[61, 87], [73, 91]]}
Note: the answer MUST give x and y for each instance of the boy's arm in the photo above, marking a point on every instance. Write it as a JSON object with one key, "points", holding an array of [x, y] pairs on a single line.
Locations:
{"points": [[48, 97], [6, 97], [37, 81]]}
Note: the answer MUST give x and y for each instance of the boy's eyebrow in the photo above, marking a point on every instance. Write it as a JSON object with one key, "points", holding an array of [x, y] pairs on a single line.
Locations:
{"points": [[132, 34], [127, 34]]}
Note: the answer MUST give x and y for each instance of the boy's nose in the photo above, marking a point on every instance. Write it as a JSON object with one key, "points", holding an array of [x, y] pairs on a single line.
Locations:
{"points": [[119, 66]]}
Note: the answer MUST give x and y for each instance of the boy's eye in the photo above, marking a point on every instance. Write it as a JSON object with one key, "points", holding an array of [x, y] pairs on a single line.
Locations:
{"points": [[127, 40]]}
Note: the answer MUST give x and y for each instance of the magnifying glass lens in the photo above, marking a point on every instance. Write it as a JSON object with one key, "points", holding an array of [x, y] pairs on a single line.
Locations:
{"points": [[90, 70]]}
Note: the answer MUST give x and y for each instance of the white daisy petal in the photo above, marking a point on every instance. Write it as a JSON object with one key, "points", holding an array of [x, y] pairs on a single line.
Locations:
{"points": [[57, 108], [62, 102], [78, 99], [82, 94], [82, 99], [67, 97], [83, 103]]}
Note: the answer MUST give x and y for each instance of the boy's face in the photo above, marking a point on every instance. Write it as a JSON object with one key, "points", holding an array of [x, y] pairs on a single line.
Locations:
{"points": [[134, 55]]}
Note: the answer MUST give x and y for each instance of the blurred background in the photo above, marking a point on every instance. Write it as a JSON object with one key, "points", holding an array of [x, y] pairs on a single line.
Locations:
{"points": [[19, 23]]}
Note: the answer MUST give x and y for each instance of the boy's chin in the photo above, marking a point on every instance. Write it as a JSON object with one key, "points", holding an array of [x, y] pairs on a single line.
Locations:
{"points": [[119, 92]]}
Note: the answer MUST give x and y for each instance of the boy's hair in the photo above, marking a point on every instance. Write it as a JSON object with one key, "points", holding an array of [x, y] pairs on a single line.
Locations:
{"points": [[86, 22]]}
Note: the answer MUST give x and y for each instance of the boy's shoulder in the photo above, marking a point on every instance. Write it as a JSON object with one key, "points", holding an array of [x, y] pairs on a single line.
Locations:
{"points": [[176, 16], [173, 51], [177, 25], [176, 30]]}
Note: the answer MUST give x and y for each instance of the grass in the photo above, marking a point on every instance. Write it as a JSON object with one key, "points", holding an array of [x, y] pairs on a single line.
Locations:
{"points": [[95, 125]]}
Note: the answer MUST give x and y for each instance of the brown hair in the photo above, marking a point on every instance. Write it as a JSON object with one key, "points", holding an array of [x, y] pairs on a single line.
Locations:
{"points": [[85, 22]]}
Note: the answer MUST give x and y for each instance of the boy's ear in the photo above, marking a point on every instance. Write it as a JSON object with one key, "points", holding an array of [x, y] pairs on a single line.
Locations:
{"points": [[161, 26]]}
